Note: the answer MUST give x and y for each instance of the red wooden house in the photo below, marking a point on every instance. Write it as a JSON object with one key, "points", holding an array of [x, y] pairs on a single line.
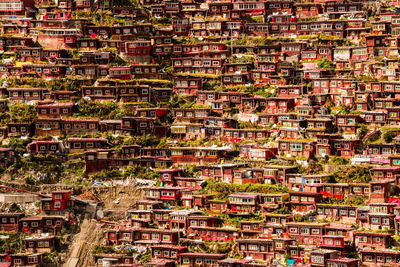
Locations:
{"points": [[319, 256], [45, 147], [138, 50], [253, 151], [120, 73], [42, 224], [6, 156], [55, 110], [304, 10], [199, 154], [187, 85], [181, 26], [25, 259], [199, 259], [373, 257], [39, 243], [334, 242], [165, 194], [309, 233], [257, 249], [300, 147], [168, 175], [179, 218], [156, 262], [346, 262], [59, 201], [304, 201], [167, 251], [138, 125], [26, 94], [276, 105], [115, 259], [243, 203], [19, 129], [379, 190], [75, 144], [9, 222], [372, 240]]}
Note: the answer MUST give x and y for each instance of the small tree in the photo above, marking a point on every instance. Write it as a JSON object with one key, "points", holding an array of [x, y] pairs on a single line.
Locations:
{"points": [[325, 64], [362, 131], [388, 136], [22, 112]]}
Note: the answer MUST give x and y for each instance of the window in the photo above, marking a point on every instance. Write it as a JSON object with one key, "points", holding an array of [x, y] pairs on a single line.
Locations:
{"points": [[305, 230], [253, 247], [212, 153], [317, 259], [43, 244], [362, 239], [32, 259], [315, 231]]}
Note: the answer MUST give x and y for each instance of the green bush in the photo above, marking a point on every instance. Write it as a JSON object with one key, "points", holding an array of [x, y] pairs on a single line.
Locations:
{"points": [[21, 112], [98, 249], [29, 180], [339, 160], [222, 190], [362, 131], [325, 64], [388, 136], [353, 174], [106, 110]]}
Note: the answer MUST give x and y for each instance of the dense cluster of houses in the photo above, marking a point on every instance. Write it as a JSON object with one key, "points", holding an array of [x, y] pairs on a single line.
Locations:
{"points": [[40, 234], [246, 91], [335, 235]]}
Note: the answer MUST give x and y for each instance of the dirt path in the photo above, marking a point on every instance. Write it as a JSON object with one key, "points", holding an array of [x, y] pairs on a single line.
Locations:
{"points": [[79, 245]]}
